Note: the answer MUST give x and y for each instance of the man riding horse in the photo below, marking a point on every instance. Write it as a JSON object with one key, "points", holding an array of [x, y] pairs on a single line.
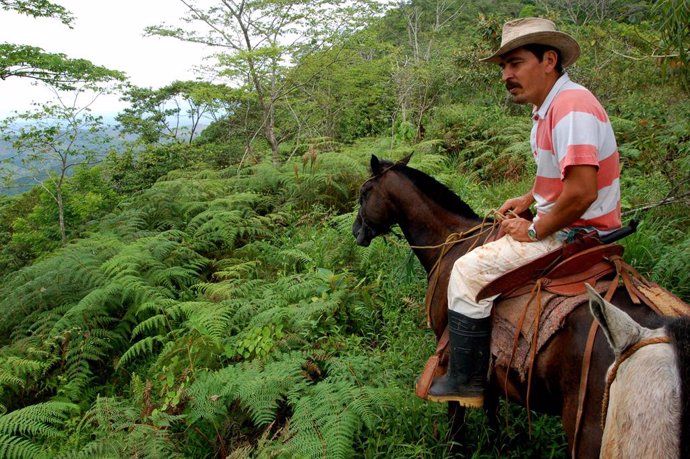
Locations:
{"points": [[576, 188]]}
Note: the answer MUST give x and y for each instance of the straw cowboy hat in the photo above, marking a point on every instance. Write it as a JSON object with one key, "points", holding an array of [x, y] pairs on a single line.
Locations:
{"points": [[526, 31]]}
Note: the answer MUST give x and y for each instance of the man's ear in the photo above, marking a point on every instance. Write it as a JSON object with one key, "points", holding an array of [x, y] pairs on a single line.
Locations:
{"points": [[550, 59]]}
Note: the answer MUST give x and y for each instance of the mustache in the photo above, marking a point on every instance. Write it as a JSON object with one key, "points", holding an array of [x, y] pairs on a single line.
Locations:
{"points": [[512, 84]]}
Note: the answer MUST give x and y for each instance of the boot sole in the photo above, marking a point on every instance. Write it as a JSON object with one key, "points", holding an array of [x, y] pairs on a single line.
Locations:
{"points": [[474, 401]]}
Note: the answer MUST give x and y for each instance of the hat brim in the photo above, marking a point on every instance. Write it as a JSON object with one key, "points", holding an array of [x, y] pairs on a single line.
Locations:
{"points": [[567, 45]]}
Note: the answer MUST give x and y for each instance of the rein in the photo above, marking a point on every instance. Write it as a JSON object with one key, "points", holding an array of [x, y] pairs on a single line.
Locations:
{"points": [[453, 238], [619, 361], [451, 241]]}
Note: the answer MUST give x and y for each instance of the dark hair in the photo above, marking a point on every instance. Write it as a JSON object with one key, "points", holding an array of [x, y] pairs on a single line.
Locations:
{"points": [[539, 50]]}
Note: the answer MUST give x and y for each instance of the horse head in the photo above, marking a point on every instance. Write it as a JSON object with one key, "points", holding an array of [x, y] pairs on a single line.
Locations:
{"points": [[620, 329], [377, 213], [642, 411]]}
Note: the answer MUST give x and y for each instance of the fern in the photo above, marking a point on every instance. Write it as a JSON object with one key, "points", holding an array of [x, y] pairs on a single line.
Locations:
{"points": [[259, 388], [20, 429], [54, 282], [119, 431], [127, 225], [140, 348], [208, 395], [152, 326], [429, 163], [210, 319], [327, 419], [16, 447], [237, 270]]}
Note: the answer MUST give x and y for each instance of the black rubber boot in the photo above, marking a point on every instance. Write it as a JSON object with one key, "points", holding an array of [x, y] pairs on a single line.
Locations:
{"points": [[468, 362]]}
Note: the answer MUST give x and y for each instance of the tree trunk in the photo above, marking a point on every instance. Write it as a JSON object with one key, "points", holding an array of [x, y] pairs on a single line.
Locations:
{"points": [[271, 134], [61, 213]]}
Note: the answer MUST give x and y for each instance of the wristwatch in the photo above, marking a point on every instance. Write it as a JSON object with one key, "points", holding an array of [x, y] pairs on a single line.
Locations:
{"points": [[532, 233]]}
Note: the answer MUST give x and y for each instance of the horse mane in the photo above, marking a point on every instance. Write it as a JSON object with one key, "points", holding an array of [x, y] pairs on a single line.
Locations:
{"points": [[440, 193], [679, 331]]}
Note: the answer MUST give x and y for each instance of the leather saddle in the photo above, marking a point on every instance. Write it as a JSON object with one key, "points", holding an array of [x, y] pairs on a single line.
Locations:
{"points": [[563, 271]]}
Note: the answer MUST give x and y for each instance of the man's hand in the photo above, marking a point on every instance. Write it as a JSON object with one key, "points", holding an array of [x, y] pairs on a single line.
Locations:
{"points": [[517, 205], [516, 228]]}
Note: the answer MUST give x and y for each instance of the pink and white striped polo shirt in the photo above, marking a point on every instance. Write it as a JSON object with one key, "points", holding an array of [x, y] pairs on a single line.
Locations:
{"points": [[571, 128]]}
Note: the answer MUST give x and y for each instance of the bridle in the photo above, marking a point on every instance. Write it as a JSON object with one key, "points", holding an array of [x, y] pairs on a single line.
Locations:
{"points": [[451, 240], [365, 225], [613, 371], [486, 227]]}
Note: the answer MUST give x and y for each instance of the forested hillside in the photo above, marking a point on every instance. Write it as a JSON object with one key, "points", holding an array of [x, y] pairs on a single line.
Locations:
{"points": [[200, 294]]}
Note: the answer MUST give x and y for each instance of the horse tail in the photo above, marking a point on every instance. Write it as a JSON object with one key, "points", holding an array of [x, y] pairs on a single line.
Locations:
{"points": [[679, 330]]}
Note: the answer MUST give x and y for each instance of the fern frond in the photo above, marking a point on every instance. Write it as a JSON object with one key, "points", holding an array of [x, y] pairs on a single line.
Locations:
{"points": [[36, 420], [211, 319], [12, 447], [139, 349], [326, 420], [260, 390], [240, 270], [153, 325], [211, 394], [429, 163], [297, 255], [118, 431]]}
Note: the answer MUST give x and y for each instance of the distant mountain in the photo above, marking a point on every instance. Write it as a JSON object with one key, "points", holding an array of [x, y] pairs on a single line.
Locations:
{"points": [[24, 178]]}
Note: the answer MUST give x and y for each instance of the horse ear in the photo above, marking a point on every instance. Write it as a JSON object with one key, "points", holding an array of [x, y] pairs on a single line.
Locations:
{"points": [[620, 329], [406, 159], [375, 165]]}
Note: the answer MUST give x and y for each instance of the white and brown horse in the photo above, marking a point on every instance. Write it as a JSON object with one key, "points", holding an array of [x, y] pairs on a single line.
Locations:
{"points": [[646, 407]]}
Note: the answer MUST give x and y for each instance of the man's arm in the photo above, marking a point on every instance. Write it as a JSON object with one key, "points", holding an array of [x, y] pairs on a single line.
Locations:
{"points": [[579, 192]]}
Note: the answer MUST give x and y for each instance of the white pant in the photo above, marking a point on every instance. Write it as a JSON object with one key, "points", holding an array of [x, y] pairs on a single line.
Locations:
{"points": [[485, 263]]}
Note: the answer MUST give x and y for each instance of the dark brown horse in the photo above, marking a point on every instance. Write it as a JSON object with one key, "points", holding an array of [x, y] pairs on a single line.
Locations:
{"points": [[427, 212]]}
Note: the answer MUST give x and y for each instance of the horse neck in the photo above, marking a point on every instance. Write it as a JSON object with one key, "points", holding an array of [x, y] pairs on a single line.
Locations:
{"points": [[427, 225]]}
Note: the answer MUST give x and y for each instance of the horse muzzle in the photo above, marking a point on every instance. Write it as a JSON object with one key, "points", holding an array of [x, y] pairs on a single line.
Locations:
{"points": [[362, 232]]}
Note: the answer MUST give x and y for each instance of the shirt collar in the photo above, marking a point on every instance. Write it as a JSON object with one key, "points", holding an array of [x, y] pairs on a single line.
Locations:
{"points": [[541, 112]]}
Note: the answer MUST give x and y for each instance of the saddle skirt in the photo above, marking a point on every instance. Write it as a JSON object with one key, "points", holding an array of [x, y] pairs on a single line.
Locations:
{"points": [[515, 312]]}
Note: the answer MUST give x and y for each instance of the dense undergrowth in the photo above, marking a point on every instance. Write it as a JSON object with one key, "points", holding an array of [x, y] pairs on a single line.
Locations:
{"points": [[225, 313], [211, 303]]}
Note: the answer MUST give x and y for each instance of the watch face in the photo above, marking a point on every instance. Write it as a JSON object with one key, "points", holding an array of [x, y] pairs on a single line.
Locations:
{"points": [[532, 233]]}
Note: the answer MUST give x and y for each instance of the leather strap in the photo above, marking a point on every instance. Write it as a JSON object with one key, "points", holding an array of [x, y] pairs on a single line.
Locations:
{"points": [[533, 357], [619, 361], [584, 377], [586, 361], [536, 294], [431, 367]]}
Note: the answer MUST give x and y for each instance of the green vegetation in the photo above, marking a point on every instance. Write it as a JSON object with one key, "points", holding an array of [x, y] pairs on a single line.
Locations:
{"points": [[209, 299]]}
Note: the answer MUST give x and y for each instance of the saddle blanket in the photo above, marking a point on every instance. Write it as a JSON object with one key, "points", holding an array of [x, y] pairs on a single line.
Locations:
{"points": [[506, 317]]}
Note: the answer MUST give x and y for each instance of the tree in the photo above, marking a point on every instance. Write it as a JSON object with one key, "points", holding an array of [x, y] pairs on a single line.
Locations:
{"points": [[353, 99], [173, 112], [55, 137], [674, 20], [55, 69], [258, 39], [39, 8], [423, 72]]}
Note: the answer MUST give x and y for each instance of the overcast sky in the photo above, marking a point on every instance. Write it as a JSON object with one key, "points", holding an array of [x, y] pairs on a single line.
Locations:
{"points": [[108, 33]]}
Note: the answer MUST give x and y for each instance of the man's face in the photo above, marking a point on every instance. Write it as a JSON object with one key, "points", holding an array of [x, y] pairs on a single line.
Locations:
{"points": [[525, 77]]}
